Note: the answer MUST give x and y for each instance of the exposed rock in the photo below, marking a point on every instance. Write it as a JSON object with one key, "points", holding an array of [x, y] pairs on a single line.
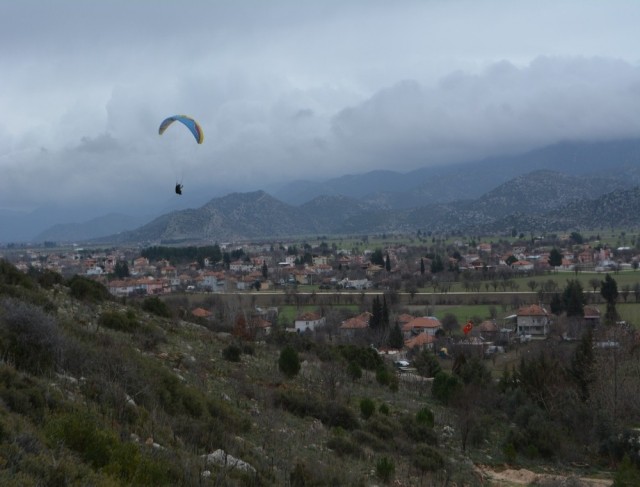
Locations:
{"points": [[222, 459]]}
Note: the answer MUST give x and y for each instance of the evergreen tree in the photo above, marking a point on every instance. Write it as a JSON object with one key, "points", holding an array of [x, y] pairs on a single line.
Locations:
{"points": [[556, 304], [289, 362], [385, 313], [555, 258], [582, 367], [377, 258], [422, 266], [574, 298], [437, 265], [121, 269], [609, 291], [387, 263], [395, 337], [375, 321], [265, 269]]}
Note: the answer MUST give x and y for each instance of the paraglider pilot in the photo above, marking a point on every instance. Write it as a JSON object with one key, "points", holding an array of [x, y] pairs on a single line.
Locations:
{"points": [[178, 188]]}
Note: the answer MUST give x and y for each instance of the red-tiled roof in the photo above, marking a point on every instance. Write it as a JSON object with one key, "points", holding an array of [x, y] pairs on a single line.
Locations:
{"points": [[533, 310], [419, 340], [309, 316], [423, 322], [201, 313], [358, 322]]}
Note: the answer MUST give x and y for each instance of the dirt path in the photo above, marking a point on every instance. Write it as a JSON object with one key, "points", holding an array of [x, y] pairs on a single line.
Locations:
{"points": [[515, 477]]}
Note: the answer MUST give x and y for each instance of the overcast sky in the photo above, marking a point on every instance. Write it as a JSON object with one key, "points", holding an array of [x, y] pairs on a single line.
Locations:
{"points": [[289, 89]]}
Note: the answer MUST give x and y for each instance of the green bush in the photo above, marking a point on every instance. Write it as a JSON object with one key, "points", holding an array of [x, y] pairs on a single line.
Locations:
{"points": [[510, 453], [445, 387], [367, 408], [418, 431], [385, 468], [116, 320], [231, 353], [354, 371], [156, 306], [98, 447], [341, 444], [384, 409], [427, 459], [425, 416], [289, 362], [330, 413], [383, 427], [383, 375], [87, 289], [365, 357], [11, 276], [627, 475]]}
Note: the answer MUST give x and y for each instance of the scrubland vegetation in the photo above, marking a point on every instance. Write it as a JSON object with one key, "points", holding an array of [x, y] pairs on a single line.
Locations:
{"points": [[96, 392]]}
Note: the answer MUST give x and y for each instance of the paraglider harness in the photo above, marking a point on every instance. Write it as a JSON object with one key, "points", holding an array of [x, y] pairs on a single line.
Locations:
{"points": [[178, 188]]}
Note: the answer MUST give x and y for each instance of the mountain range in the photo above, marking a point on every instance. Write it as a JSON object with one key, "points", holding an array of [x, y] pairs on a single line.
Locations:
{"points": [[575, 185]]}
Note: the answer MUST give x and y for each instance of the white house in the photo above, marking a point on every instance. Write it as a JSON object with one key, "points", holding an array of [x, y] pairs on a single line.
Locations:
{"points": [[309, 321], [533, 320]]}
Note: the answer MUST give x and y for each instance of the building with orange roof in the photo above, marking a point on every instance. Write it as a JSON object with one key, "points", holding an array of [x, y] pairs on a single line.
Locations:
{"points": [[424, 324], [201, 313], [533, 320], [358, 325], [420, 342]]}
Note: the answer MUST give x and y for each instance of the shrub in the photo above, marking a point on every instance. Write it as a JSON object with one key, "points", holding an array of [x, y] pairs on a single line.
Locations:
{"points": [[383, 427], [383, 375], [445, 386], [80, 433], [427, 459], [289, 362], [354, 371], [367, 408], [343, 445], [86, 289], [427, 364], [385, 468], [425, 417], [29, 337], [118, 321], [11, 276], [509, 452], [384, 409], [418, 431], [48, 278], [366, 357], [156, 306], [231, 353], [627, 474]]}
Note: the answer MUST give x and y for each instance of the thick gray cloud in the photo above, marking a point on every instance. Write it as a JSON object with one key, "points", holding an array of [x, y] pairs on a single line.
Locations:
{"points": [[290, 89]]}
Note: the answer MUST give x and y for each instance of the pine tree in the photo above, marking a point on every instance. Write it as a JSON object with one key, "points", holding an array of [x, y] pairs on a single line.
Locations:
{"points": [[609, 291], [395, 337]]}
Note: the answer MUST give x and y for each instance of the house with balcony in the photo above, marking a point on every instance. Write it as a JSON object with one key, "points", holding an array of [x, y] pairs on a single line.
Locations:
{"points": [[533, 320]]}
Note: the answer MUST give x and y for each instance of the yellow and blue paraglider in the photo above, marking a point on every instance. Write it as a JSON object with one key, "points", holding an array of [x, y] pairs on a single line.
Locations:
{"points": [[191, 124], [188, 122]]}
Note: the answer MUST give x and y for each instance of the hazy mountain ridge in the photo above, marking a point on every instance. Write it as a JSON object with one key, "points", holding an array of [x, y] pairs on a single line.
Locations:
{"points": [[618, 159], [97, 227], [492, 194]]}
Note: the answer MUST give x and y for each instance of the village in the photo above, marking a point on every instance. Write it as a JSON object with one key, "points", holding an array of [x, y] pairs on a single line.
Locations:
{"points": [[282, 269]]}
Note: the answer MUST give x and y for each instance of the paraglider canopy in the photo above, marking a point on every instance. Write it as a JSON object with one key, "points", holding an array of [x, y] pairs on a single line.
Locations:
{"points": [[188, 122]]}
